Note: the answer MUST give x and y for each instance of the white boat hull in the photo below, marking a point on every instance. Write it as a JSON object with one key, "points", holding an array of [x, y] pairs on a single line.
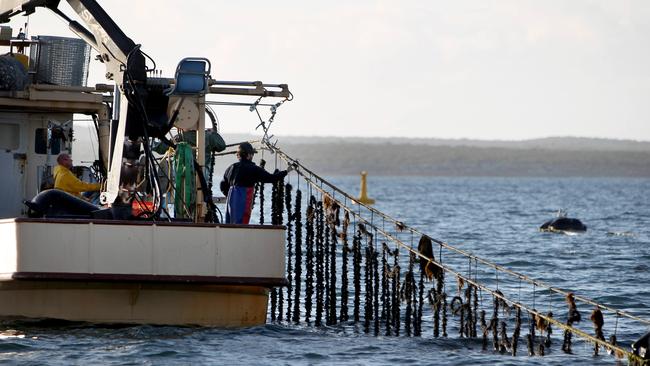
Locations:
{"points": [[139, 272]]}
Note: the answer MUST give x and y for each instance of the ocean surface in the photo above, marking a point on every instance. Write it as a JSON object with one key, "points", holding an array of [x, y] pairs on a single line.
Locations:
{"points": [[493, 218]]}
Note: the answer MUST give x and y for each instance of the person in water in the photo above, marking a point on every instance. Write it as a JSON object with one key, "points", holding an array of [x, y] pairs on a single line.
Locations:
{"points": [[239, 181], [66, 181]]}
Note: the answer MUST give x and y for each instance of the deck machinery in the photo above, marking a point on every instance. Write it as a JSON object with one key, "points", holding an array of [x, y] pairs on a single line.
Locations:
{"points": [[104, 265]]}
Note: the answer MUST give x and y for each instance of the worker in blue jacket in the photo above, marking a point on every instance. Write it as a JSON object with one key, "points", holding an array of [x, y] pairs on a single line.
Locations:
{"points": [[238, 184]]}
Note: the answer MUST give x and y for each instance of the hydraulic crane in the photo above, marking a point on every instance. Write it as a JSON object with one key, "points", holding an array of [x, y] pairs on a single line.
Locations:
{"points": [[140, 105]]}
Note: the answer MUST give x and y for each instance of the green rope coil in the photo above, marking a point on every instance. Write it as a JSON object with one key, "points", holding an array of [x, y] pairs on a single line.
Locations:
{"points": [[184, 196]]}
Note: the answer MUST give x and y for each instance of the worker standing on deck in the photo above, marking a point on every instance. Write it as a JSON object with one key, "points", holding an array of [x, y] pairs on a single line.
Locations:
{"points": [[239, 182], [66, 181]]}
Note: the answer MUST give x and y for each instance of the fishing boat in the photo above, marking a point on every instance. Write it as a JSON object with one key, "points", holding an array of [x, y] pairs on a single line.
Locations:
{"points": [[153, 250]]}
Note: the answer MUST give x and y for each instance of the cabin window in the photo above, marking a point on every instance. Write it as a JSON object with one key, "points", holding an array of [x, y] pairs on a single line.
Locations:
{"points": [[40, 143], [9, 136]]}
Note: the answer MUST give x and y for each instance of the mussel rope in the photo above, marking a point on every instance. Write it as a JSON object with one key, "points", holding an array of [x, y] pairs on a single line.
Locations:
{"points": [[396, 290], [368, 288], [530, 336], [407, 295], [385, 289], [277, 213], [434, 300], [457, 308], [302, 168], [309, 289], [327, 264], [532, 322], [515, 334], [356, 265], [474, 334], [259, 187], [443, 296], [274, 194], [375, 273], [320, 290], [356, 275], [298, 261], [345, 295], [332, 260], [494, 323], [420, 303], [505, 344], [469, 319], [484, 330], [290, 271], [446, 268]]}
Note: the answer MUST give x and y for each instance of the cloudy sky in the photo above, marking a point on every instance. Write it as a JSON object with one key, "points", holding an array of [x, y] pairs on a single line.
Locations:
{"points": [[454, 69]]}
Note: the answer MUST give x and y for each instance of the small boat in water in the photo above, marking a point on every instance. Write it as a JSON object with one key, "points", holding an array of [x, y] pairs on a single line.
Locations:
{"points": [[563, 224]]}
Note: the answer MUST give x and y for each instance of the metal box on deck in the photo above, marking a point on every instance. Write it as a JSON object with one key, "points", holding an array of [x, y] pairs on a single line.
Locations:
{"points": [[59, 61]]}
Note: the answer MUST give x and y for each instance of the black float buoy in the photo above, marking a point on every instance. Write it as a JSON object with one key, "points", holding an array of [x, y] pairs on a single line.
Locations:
{"points": [[563, 224]]}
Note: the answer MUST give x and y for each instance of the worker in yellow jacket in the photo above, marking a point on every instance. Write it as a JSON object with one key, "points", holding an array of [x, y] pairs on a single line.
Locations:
{"points": [[66, 181]]}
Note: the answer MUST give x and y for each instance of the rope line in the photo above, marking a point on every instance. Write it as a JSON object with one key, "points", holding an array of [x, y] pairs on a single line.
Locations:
{"points": [[310, 180], [317, 183]]}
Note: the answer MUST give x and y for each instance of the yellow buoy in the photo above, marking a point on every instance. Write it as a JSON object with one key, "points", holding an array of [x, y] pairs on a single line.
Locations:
{"points": [[363, 197]]}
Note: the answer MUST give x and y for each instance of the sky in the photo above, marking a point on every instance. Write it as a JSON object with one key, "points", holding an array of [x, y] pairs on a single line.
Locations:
{"points": [[489, 70]]}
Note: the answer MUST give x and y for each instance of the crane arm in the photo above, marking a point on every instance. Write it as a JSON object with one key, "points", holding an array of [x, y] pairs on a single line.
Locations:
{"points": [[125, 64]]}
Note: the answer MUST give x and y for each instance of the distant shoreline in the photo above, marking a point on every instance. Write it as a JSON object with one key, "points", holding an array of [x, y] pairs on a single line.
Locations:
{"points": [[548, 157]]}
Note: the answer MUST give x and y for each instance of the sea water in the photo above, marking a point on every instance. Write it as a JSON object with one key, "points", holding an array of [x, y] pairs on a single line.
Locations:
{"points": [[494, 218]]}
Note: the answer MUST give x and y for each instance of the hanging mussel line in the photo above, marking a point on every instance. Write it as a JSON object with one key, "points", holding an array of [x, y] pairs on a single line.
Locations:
{"points": [[290, 270], [331, 220], [259, 188], [395, 291], [345, 294], [530, 338], [356, 275], [502, 345], [390, 290], [367, 315], [458, 308], [573, 316], [368, 278], [297, 218], [418, 317], [277, 218], [375, 292], [461, 305], [332, 209], [517, 331], [385, 292], [385, 289], [326, 264], [309, 265], [408, 294], [436, 296], [320, 276], [598, 321]]}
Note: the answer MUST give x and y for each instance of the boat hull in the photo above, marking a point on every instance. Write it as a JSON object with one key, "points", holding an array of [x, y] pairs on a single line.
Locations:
{"points": [[139, 272], [135, 303]]}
